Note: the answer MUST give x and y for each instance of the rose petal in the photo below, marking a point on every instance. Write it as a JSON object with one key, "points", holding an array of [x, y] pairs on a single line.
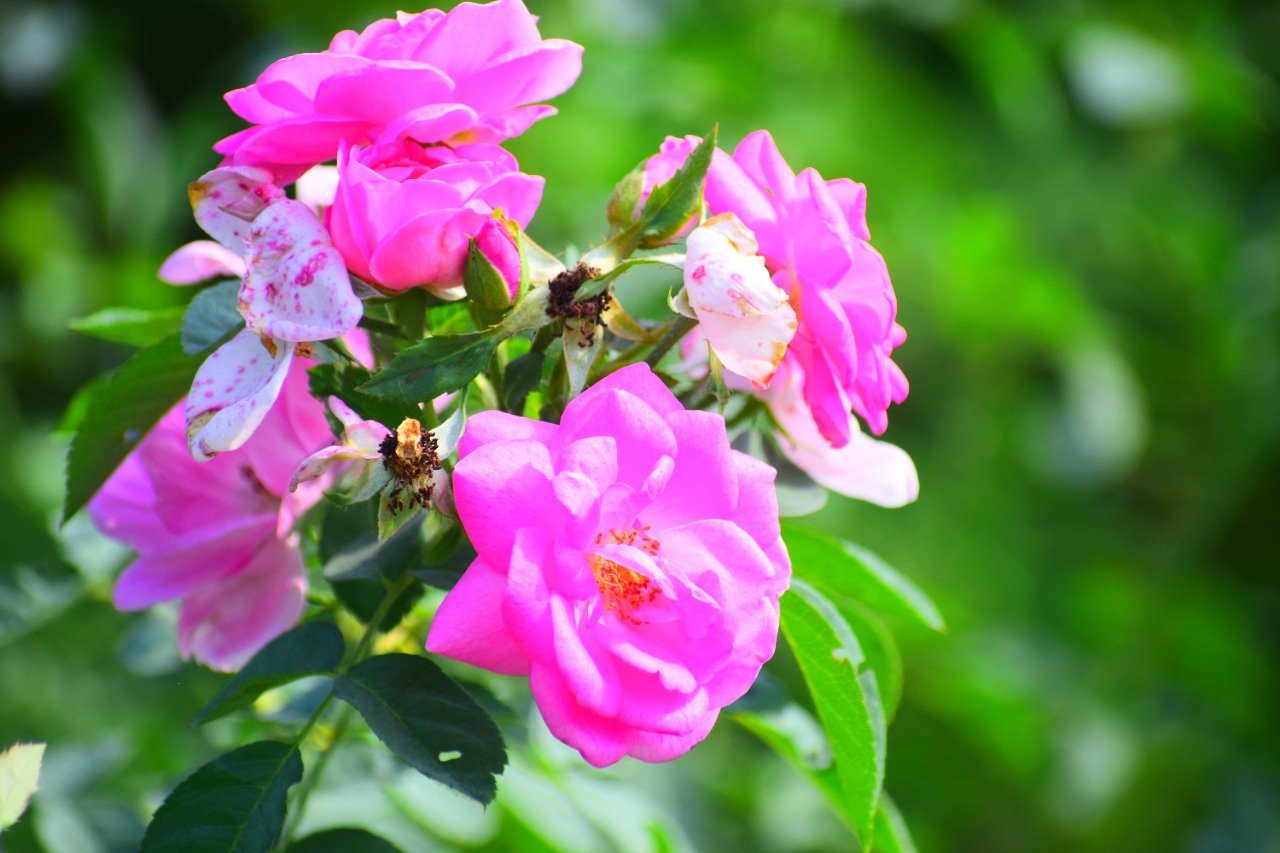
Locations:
{"points": [[198, 261], [232, 392]]}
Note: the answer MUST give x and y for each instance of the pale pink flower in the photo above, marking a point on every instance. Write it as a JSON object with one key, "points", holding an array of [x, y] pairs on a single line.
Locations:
{"points": [[404, 215], [216, 536], [629, 562], [814, 238], [200, 260], [746, 318], [361, 440], [469, 75]]}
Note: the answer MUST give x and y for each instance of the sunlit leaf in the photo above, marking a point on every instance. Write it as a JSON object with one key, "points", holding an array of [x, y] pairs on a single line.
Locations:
{"points": [[892, 835], [19, 776], [135, 326], [433, 367]]}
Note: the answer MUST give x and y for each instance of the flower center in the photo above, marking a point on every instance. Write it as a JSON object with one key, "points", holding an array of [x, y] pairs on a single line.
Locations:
{"points": [[624, 590]]}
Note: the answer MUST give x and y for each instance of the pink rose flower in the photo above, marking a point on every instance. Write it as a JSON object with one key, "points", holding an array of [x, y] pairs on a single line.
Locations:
{"points": [[216, 535], [629, 562], [468, 75], [404, 215], [814, 238]]}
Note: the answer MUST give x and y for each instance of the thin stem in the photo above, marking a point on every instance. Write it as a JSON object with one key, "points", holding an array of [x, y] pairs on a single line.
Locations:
{"points": [[309, 783], [679, 327]]}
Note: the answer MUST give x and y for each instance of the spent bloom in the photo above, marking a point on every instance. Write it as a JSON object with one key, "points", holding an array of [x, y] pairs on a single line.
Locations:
{"points": [[215, 536], [629, 562], [405, 215], [813, 236], [474, 74]]}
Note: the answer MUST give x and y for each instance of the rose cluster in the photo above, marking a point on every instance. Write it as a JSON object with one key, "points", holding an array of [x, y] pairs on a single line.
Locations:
{"points": [[629, 560]]}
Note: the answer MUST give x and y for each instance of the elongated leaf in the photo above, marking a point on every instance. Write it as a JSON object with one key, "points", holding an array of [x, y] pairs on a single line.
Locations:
{"points": [[429, 721], [436, 366], [846, 695], [121, 413], [19, 775], [234, 803], [522, 376], [881, 651], [211, 316], [312, 648], [343, 380], [841, 568], [409, 310], [343, 840], [672, 204], [136, 326], [892, 835]]}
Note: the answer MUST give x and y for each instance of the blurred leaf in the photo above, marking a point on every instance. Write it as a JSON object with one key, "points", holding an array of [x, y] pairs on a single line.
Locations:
{"points": [[135, 326], [892, 835], [845, 694], [343, 381], [365, 556], [447, 559], [121, 413], [343, 840], [312, 648], [31, 595], [483, 282], [674, 203], [428, 720], [362, 597], [522, 376], [881, 650], [436, 366], [211, 316], [449, 433], [19, 774], [234, 803], [841, 568]]}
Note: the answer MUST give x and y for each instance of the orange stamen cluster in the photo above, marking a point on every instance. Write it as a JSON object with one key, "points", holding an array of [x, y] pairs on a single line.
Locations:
{"points": [[624, 590]]}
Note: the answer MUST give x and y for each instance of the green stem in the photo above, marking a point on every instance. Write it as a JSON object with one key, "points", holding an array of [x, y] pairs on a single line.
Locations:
{"points": [[678, 328], [344, 717]]}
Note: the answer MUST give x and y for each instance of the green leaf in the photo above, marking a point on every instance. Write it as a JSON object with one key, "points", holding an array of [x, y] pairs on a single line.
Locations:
{"points": [[234, 803], [363, 596], [343, 380], [312, 648], [436, 366], [19, 775], [343, 840], [892, 835], [673, 204], [363, 556], [846, 696], [483, 282], [841, 568], [135, 326], [621, 209], [881, 650], [121, 413], [409, 311], [424, 717], [522, 376], [211, 317]]}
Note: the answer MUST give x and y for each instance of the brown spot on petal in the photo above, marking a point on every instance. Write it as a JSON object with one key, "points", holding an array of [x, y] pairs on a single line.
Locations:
{"points": [[197, 423], [304, 350]]}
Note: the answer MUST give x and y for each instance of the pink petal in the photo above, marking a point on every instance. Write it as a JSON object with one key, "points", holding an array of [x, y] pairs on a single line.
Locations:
{"points": [[198, 261], [227, 199], [297, 287], [469, 627], [500, 488], [233, 391]]}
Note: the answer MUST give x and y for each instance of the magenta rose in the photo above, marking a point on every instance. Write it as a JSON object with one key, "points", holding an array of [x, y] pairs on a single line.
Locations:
{"points": [[813, 236], [404, 215], [469, 75], [629, 562]]}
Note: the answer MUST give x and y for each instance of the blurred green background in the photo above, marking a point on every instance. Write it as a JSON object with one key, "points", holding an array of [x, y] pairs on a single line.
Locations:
{"points": [[1080, 206]]}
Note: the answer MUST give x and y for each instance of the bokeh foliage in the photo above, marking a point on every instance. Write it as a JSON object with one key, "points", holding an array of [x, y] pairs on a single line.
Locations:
{"points": [[1080, 206]]}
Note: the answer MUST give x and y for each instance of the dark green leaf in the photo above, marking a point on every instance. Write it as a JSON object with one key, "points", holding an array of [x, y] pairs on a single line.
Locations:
{"points": [[843, 569], [673, 204], [211, 316], [344, 840], [135, 326], [363, 556], [409, 312], [429, 721], [234, 803], [892, 835], [312, 648], [343, 380], [846, 695], [522, 376], [121, 413], [483, 282], [363, 596], [446, 560], [436, 366]]}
